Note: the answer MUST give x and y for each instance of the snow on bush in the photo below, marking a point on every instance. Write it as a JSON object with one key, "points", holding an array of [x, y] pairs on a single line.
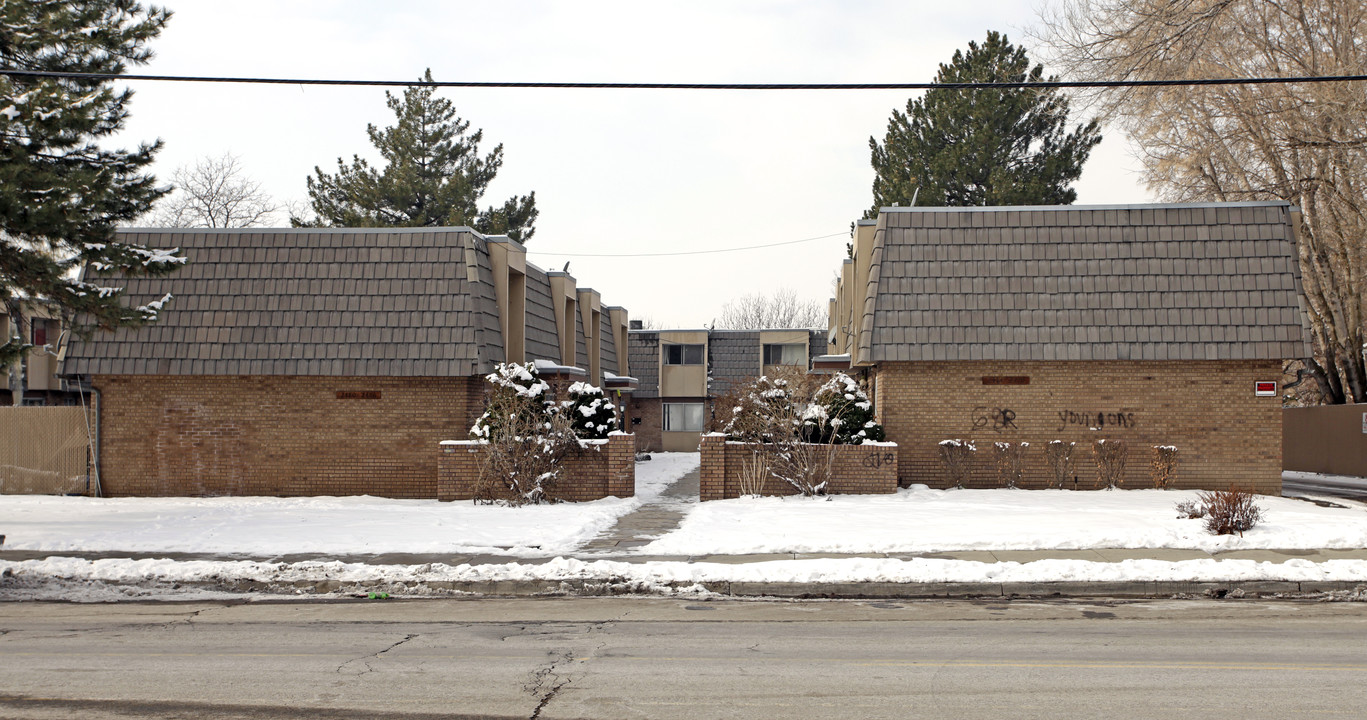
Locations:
{"points": [[1164, 465], [840, 413], [1010, 461], [957, 457], [592, 414], [1110, 458], [1059, 455], [527, 433]]}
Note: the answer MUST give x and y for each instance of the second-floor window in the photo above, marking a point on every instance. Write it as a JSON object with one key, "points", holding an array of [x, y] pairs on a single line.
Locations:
{"points": [[775, 354], [683, 354], [39, 327]]}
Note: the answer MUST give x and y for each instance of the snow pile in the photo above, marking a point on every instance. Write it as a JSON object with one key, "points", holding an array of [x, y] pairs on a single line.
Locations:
{"points": [[267, 526], [658, 574], [922, 520]]}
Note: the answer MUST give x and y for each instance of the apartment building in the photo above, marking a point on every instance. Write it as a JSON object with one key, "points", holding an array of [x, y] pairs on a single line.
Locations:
{"points": [[680, 373], [327, 361], [1158, 324]]}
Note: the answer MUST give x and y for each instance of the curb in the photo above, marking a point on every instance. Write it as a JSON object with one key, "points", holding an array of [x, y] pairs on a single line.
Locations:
{"points": [[794, 590]]}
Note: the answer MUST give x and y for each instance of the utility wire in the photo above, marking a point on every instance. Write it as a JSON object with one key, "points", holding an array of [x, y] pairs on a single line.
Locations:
{"points": [[686, 252], [689, 86]]}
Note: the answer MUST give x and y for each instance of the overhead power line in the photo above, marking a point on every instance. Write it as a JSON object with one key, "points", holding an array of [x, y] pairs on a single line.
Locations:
{"points": [[685, 252], [687, 86]]}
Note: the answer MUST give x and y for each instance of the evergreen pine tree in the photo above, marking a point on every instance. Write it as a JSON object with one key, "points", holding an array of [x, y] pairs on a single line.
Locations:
{"points": [[61, 195], [433, 175], [982, 147]]}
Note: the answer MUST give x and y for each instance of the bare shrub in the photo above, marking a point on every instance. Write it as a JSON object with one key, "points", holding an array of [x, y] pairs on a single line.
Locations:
{"points": [[777, 417], [1230, 511], [1010, 461], [525, 439], [803, 465], [754, 472], [1110, 458], [1059, 455], [957, 457], [1191, 510], [1164, 465]]}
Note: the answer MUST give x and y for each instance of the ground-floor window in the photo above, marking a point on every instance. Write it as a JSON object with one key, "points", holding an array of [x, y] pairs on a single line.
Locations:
{"points": [[683, 417]]}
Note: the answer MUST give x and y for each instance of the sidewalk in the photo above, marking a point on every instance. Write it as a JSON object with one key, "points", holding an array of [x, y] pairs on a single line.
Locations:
{"points": [[610, 564]]}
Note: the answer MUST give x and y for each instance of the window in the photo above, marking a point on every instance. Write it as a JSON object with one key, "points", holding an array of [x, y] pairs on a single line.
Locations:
{"points": [[683, 354], [785, 355], [39, 327], [683, 417]]}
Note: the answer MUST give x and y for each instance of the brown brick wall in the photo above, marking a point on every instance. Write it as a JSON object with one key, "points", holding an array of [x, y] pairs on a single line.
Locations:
{"points": [[652, 424], [855, 469], [606, 470], [260, 435], [1224, 434]]}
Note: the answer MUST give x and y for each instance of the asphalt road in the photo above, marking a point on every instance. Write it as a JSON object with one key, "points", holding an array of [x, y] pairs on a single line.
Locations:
{"points": [[673, 658], [1344, 487]]}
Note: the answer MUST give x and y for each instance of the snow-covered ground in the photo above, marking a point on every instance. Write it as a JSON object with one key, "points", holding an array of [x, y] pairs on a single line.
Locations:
{"points": [[265, 526], [923, 520], [74, 572]]}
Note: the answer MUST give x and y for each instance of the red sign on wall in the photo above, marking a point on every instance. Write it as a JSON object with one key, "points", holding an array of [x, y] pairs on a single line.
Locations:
{"points": [[1265, 389]]}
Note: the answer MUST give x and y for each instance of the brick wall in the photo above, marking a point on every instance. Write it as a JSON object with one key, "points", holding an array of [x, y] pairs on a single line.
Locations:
{"points": [[604, 469], [652, 423], [1224, 434], [855, 469], [266, 435]]}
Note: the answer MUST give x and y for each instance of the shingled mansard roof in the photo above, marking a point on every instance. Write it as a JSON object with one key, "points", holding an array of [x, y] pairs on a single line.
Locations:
{"points": [[343, 302], [1140, 282]]}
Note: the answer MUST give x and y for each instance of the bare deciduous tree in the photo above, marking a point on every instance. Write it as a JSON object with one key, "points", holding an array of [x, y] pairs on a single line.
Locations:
{"points": [[215, 193], [1303, 142], [782, 309]]}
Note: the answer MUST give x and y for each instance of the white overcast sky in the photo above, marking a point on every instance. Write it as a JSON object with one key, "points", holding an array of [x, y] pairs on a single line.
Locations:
{"points": [[614, 171]]}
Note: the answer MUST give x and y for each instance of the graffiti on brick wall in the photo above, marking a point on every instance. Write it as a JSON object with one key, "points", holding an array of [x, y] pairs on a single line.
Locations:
{"points": [[878, 460], [997, 419], [1095, 420]]}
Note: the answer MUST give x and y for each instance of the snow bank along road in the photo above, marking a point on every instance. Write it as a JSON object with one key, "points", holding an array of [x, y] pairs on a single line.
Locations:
{"points": [[916, 521], [608, 658]]}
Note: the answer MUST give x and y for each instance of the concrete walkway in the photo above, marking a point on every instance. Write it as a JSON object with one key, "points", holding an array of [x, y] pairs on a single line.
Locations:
{"points": [[652, 520]]}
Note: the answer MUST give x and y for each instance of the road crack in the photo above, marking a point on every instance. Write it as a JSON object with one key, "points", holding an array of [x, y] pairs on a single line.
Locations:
{"points": [[547, 681], [365, 659]]}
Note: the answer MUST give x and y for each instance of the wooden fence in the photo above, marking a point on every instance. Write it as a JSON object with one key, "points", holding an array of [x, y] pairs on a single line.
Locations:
{"points": [[44, 451], [1329, 439]]}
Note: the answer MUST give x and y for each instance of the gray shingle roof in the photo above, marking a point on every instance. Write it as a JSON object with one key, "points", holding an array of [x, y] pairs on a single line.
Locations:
{"points": [[1145, 282], [607, 349], [734, 357], [374, 302], [541, 340], [643, 357]]}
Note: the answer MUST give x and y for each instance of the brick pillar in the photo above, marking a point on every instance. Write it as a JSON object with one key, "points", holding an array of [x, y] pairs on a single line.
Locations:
{"points": [[621, 466], [712, 473], [458, 467]]}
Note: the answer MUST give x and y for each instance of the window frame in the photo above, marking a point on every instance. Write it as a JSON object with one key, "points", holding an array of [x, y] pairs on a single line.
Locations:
{"points": [[665, 424], [684, 354], [36, 326], [802, 351]]}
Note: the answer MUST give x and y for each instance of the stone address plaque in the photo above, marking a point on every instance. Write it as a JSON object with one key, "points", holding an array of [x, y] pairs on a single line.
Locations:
{"points": [[1006, 380], [358, 394]]}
